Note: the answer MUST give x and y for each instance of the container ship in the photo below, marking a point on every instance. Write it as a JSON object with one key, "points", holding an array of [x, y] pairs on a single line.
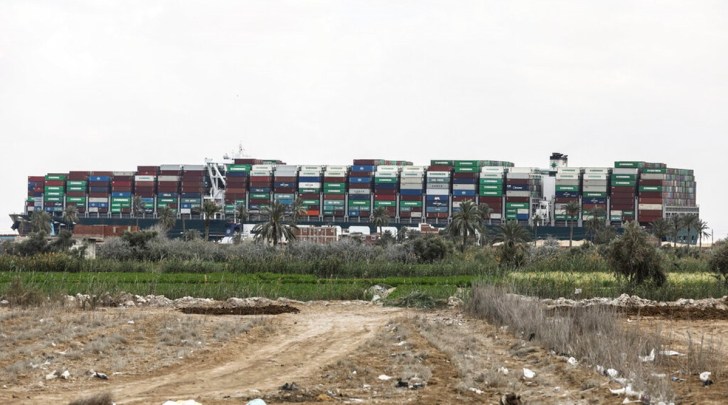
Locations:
{"points": [[346, 195]]}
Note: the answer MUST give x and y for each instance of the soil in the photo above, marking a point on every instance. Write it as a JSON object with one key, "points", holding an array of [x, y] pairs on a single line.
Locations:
{"points": [[327, 352]]}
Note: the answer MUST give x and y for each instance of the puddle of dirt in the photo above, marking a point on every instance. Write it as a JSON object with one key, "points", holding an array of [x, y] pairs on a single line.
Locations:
{"points": [[262, 310]]}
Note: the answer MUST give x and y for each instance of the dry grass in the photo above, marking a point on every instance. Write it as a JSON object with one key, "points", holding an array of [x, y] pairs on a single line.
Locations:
{"points": [[593, 335]]}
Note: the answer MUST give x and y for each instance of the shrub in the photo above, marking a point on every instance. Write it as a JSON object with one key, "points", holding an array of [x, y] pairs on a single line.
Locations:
{"points": [[718, 263], [633, 257], [431, 249]]}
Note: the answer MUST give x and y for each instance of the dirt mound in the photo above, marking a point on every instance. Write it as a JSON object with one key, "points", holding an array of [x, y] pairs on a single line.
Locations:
{"points": [[677, 313], [253, 310]]}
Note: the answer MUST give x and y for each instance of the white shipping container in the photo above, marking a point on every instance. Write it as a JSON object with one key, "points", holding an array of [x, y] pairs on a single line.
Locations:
{"points": [[412, 175], [309, 173], [311, 168], [650, 206], [521, 170], [185, 211], [432, 191], [170, 167], [387, 168], [518, 175], [566, 176], [408, 180], [471, 187], [495, 216], [491, 176], [616, 212], [493, 170], [413, 169], [262, 173], [309, 185], [168, 178], [193, 168], [411, 186], [123, 173], [518, 193], [624, 170], [567, 182], [389, 175], [335, 174], [652, 176], [145, 178], [438, 174], [438, 186], [360, 191], [522, 211], [595, 177], [287, 168], [416, 214], [595, 189], [337, 168], [571, 170], [93, 209], [267, 168], [597, 170], [98, 199]]}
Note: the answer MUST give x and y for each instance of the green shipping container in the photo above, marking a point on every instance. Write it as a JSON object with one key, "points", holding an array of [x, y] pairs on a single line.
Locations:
{"points": [[359, 203], [53, 199], [516, 205], [654, 170], [622, 183], [410, 204], [76, 199], [593, 194], [487, 193], [260, 196], [466, 169], [386, 180], [55, 177], [490, 181], [567, 188], [651, 188], [378, 204], [238, 168]]}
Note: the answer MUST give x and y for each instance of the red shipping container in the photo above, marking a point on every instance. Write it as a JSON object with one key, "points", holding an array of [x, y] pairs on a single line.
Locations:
{"points": [[474, 176], [439, 168], [55, 183], [334, 197], [410, 197], [384, 197], [288, 179], [312, 213]]}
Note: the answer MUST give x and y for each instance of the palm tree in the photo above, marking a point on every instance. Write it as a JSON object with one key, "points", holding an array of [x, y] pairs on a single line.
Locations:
{"points": [[138, 208], [465, 222], [660, 229], [675, 224], [70, 216], [209, 210], [702, 228], [572, 210], [512, 236], [690, 222], [380, 218], [485, 211], [274, 230], [166, 218], [40, 221], [298, 210], [241, 212]]}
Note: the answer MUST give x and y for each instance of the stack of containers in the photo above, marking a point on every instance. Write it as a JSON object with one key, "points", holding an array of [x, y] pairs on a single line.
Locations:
{"points": [[678, 188], [145, 186], [99, 189], [437, 189], [261, 187], [568, 189], [519, 182], [236, 186], [361, 178], [411, 186], [650, 188], [54, 192], [77, 190], [594, 192], [335, 191], [623, 191], [121, 192], [491, 190], [309, 188], [465, 182], [386, 183], [193, 188], [168, 186], [36, 186], [284, 184]]}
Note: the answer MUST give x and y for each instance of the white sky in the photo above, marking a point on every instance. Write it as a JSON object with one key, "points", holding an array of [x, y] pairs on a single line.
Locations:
{"points": [[109, 85]]}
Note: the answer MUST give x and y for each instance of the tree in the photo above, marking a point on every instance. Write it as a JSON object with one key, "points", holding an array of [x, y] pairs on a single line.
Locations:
{"points": [[690, 223], [465, 223], [166, 218], [70, 216], [430, 249], [702, 229], [402, 234], [596, 224], [209, 210], [660, 229], [485, 212], [40, 221], [675, 223], [241, 212], [572, 210], [298, 210], [380, 218], [512, 237], [633, 257], [62, 242], [274, 230], [718, 262], [138, 207]]}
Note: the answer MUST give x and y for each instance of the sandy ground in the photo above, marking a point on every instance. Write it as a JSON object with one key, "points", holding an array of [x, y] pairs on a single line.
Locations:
{"points": [[333, 352]]}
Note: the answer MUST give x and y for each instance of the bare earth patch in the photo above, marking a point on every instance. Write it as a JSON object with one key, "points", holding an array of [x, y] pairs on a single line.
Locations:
{"points": [[347, 352]]}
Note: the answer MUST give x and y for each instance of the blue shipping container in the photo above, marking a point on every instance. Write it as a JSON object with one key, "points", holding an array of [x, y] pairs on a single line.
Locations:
{"points": [[105, 179], [517, 187], [437, 198], [121, 194], [360, 180], [464, 193], [363, 168]]}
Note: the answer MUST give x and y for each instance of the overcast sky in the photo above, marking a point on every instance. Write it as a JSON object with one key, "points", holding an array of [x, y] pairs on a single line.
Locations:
{"points": [[109, 85]]}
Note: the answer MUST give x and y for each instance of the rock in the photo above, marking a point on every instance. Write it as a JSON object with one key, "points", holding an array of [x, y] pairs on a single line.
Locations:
{"points": [[572, 361], [380, 290], [384, 377], [416, 383], [376, 298], [129, 303], [528, 373], [52, 376], [455, 302], [98, 375], [510, 399], [289, 387], [66, 375], [705, 378], [503, 370], [477, 391], [4, 303]]}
